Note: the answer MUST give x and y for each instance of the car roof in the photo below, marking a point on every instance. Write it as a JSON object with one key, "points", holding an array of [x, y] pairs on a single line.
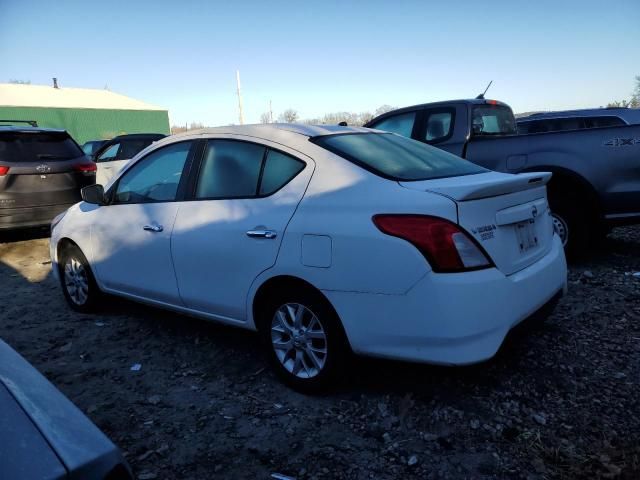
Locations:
{"points": [[15, 128], [262, 130], [133, 136]]}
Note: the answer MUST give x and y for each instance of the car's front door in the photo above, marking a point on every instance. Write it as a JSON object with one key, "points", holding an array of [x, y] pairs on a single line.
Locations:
{"points": [[243, 198], [131, 237]]}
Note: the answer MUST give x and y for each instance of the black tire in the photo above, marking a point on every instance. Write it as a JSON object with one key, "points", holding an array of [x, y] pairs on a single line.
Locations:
{"points": [[72, 257], [335, 343], [577, 222]]}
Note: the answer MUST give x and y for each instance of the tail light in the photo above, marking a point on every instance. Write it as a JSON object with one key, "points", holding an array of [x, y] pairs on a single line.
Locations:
{"points": [[444, 244], [3, 170], [85, 167]]}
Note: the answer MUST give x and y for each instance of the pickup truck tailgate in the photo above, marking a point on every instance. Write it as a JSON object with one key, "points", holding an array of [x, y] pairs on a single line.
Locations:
{"points": [[507, 214]]}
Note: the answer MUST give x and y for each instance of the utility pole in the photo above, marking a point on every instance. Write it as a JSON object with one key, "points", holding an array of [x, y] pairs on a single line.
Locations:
{"points": [[270, 113], [239, 97]]}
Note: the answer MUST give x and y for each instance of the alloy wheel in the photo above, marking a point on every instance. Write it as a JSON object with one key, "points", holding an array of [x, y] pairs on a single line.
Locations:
{"points": [[299, 340], [76, 281]]}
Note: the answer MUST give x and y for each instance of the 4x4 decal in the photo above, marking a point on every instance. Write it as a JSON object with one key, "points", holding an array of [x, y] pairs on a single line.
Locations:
{"points": [[622, 142]]}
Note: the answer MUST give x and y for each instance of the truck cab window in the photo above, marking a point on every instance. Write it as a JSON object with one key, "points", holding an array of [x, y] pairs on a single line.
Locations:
{"points": [[493, 120]]}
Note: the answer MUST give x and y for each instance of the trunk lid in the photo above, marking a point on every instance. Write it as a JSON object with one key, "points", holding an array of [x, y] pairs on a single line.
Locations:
{"points": [[507, 214]]}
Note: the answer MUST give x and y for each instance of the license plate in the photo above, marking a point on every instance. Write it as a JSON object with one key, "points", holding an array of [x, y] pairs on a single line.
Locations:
{"points": [[526, 233]]}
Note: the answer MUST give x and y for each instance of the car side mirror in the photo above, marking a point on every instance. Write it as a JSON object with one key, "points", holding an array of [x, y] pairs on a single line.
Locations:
{"points": [[93, 194]]}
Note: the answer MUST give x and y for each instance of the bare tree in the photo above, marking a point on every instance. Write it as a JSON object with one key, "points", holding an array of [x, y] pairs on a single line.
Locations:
{"points": [[633, 102], [365, 117], [384, 109], [288, 116], [265, 117]]}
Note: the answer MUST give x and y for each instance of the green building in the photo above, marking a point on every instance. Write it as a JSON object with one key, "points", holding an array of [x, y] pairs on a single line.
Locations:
{"points": [[86, 114]]}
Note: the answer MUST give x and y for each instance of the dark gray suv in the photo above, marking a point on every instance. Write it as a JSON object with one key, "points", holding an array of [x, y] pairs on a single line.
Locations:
{"points": [[41, 174]]}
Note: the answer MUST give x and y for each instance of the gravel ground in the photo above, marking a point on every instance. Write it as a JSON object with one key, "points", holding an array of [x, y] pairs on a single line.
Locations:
{"points": [[558, 401]]}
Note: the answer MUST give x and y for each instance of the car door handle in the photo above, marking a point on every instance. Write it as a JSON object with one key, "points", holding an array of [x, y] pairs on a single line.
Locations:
{"points": [[153, 228], [262, 234]]}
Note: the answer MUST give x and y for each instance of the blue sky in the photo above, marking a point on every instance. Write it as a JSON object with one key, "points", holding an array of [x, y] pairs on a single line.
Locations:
{"points": [[320, 57]]}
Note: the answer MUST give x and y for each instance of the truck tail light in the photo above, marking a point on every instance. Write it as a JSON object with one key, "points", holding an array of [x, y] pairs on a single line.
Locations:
{"points": [[444, 244], [3, 170]]}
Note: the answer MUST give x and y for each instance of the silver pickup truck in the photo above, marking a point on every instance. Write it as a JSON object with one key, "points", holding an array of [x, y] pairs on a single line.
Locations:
{"points": [[596, 171]]}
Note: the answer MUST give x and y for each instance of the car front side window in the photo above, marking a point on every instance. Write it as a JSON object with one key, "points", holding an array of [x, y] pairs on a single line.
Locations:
{"points": [[109, 154], [155, 178]]}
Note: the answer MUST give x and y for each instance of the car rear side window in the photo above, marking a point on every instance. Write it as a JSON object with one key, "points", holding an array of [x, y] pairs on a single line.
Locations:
{"points": [[401, 124], [230, 169], [279, 170], [155, 178], [395, 157], [37, 147]]}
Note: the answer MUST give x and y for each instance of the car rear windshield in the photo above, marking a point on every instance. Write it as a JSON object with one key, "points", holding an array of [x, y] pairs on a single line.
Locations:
{"points": [[37, 147], [493, 120], [396, 157]]}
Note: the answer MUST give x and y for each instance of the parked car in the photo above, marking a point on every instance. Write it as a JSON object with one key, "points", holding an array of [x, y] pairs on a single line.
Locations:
{"points": [[43, 435], [115, 153], [91, 147], [41, 173], [324, 239], [595, 184]]}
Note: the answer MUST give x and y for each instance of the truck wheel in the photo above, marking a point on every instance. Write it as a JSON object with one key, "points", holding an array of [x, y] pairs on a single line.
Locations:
{"points": [[572, 225]]}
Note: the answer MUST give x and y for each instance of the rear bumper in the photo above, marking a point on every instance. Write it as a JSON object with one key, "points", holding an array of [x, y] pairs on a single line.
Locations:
{"points": [[452, 319], [29, 216]]}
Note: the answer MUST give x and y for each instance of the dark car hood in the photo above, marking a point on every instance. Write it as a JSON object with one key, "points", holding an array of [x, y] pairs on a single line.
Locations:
{"points": [[30, 402]]}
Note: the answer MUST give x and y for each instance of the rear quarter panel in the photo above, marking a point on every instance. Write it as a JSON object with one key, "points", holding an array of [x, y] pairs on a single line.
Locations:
{"points": [[339, 204]]}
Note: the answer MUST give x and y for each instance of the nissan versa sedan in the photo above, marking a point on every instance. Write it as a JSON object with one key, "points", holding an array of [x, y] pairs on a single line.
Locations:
{"points": [[325, 239]]}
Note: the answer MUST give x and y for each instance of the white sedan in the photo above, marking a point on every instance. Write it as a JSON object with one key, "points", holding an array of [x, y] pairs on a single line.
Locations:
{"points": [[325, 239]]}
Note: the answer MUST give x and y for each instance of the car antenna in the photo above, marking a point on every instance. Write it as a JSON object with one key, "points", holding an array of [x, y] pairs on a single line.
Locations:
{"points": [[481, 96]]}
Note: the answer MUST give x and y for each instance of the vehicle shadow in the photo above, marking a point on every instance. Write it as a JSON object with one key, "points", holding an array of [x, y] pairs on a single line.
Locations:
{"points": [[24, 234], [384, 376]]}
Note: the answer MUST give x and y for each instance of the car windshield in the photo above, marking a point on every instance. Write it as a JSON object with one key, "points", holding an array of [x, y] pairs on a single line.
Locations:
{"points": [[493, 120], [395, 157], [37, 147]]}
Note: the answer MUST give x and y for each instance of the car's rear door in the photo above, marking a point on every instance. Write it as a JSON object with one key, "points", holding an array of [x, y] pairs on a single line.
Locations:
{"points": [[130, 237], [244, 195]]}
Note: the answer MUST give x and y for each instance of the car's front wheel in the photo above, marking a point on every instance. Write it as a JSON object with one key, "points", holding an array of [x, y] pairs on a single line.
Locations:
{"points": [[78, 284], [304, 340]]}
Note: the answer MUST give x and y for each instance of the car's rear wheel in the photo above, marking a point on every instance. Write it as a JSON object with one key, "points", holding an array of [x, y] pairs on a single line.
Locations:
{"points": [[78, 284], [304, 339]]}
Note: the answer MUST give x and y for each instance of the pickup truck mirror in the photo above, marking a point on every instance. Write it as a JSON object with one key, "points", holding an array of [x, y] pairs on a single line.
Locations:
{"points": [[93, 194]]}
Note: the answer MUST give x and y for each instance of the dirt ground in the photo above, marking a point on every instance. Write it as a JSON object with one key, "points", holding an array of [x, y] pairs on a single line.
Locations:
{"points": [[558, 401]]}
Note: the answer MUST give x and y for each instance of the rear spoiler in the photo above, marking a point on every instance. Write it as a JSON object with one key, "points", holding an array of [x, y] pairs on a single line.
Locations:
{"points": [[476, 187], [33, 123]]}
